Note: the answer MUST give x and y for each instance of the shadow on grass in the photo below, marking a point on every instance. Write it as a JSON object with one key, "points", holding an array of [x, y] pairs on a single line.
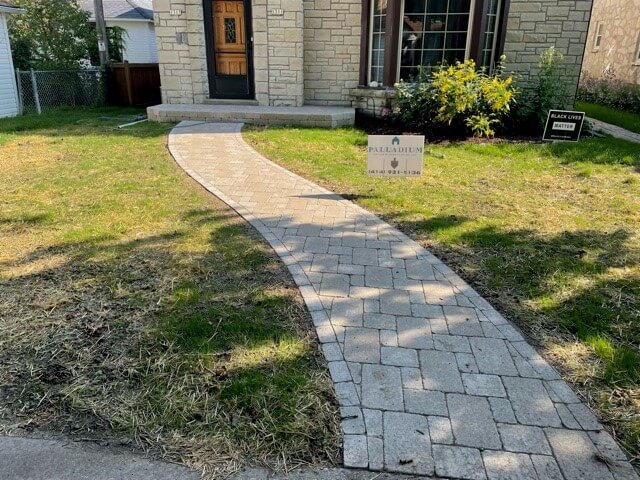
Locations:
{"points": [[554, 280], [599, 151], [207, 353]]}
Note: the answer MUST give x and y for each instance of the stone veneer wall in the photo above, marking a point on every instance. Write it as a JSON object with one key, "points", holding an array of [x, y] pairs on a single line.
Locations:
{"points": [[535, 25], [620, 38], [311, 52], [183, 67], [331, 50]]}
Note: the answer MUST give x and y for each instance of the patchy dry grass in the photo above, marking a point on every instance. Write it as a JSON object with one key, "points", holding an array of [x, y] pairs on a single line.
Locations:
{"points": [[550, 234], [137, 309]]}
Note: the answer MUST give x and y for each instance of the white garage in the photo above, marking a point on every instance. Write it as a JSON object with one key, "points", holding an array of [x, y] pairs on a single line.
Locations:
{"points": [[9, 105]]}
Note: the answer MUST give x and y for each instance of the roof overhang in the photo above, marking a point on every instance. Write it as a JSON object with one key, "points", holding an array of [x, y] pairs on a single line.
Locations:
{"points": [[11, 9]]}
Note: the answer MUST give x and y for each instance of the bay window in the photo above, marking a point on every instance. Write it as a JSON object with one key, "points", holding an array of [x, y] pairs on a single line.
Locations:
{"points": [[407, 36]]}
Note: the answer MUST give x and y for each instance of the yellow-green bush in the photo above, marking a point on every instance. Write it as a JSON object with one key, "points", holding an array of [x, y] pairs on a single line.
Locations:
{"points": [[457, 96]]}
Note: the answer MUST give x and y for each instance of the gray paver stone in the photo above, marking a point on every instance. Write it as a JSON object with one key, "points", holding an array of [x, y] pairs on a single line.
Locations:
{"points": [[584, 416], [414, 332], [365, 256], [395, 302], [362, 345], [472, 421], [355, 451], [426, 311], [425, 402], [339, 371], [439, 293], [463, 321], [467, 363], [546, 467], [419, 269], [346, 394], [335, 285], [352, 420], [451, 343], [407, 447], [378, 277], [400, 357], [567, 417], [316, 245], [575, 454], [332, 352], [373, 422], [440, 371], [347, 312], [458, 462], [530, 402], [508, 466], [483, 385], [440, 430], [411, 378], [502, 411], [356, 371], [325, 263], [559, 391], [607, 445], [380, 320], [524, 439], [382, 387], [492, 356], [388, 338], [376, 453]]}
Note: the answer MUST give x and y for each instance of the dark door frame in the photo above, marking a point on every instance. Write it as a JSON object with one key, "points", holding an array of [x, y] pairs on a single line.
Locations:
{"points": [[214, 80]]}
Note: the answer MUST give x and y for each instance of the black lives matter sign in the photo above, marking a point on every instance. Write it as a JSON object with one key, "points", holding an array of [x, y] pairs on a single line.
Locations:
{"points": [[563, 125]]}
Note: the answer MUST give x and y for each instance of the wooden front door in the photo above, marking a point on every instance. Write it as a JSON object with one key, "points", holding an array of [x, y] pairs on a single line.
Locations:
{"points": [[229, 48]]}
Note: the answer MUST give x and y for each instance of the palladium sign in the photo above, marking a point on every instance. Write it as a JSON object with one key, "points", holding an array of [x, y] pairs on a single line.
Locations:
{"points": [[395, 156]]}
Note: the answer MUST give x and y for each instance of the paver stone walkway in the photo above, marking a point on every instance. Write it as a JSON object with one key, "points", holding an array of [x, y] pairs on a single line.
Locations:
{"points": [[430, 378]]}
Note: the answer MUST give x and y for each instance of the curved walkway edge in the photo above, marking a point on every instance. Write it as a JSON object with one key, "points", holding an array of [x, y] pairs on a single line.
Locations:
{"points": [[431, 380]]}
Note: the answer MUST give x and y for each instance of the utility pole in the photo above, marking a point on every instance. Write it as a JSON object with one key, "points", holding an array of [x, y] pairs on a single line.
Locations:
{"points": [[101, 27]]}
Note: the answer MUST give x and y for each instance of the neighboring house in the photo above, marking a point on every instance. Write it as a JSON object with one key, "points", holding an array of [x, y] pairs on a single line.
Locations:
{"points": [[613, 45], [332, 52], [136, 17], [9, 103]]}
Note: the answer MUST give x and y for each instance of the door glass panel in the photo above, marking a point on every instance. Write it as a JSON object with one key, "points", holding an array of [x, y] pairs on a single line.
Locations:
{"points": [[229, 30]]}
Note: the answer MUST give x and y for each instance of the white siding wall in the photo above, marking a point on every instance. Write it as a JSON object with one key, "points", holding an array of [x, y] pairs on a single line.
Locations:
{"points": [[8, 93], [140, 43]]}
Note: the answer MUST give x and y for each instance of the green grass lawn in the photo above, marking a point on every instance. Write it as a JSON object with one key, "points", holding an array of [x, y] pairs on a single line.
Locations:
{"points": [[550, 234], [628, 120], [137, 308]]}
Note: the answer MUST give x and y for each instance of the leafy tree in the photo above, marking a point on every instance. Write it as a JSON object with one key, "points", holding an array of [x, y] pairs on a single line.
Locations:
{"points": [[52, 34]]}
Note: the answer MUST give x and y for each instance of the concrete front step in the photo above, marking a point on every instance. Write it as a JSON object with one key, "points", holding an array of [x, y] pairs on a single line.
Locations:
{"points": [[308, 116]]}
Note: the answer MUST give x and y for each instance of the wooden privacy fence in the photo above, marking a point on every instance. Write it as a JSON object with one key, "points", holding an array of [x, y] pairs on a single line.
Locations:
{"points": [[134, 84]]}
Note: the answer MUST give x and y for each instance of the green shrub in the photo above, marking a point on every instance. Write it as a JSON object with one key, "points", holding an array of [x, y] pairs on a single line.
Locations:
{"points": [[549, 91], [456, 97], [609, 91]]}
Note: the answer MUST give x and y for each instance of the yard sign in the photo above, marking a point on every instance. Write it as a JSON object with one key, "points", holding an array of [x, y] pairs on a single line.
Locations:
{"points": [[563, 125], [395, 155]]}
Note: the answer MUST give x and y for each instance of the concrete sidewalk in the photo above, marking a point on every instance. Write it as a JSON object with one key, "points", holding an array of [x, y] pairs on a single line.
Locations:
{"points": [[614, 130], [430, 378], [40, 459]]}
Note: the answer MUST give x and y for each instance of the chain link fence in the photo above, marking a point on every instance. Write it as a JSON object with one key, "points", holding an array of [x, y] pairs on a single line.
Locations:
{"points": [[40, 90]]}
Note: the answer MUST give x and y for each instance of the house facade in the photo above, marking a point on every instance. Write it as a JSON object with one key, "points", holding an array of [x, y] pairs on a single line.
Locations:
{"points": [[136, 18], [9, 102], [613, 44], [344, 52]]}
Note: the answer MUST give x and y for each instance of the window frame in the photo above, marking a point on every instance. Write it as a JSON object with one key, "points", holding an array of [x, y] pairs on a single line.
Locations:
{"points": [[467, 48], [597, 39], [393, 31]]}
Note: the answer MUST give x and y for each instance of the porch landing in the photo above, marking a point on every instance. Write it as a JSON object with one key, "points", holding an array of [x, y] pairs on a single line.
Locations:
{"points": [[308, 116]]}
